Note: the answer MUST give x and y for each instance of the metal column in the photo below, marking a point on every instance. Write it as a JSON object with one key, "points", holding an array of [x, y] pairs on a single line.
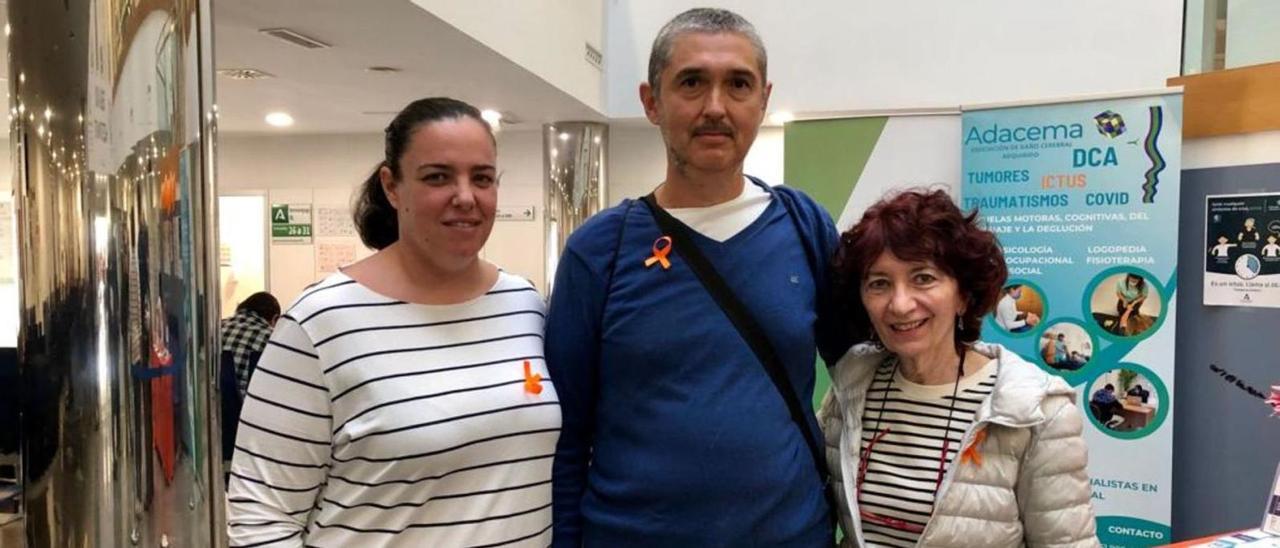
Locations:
{"points": [[112, 126], [574, 176]]}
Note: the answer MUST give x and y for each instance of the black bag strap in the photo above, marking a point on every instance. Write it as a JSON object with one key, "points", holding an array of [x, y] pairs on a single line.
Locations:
{"points": [[751, 332]]}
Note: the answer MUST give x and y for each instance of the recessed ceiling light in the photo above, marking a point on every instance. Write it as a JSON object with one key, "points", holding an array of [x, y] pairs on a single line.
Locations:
{"points": [[245, 73], [781, 117], [493, 117], [279, 119], [294, 37]]}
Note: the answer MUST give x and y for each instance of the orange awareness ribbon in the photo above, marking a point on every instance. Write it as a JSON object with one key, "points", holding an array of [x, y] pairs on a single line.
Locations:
{"points": [[971, 453], [660, 253], [532, 381]]}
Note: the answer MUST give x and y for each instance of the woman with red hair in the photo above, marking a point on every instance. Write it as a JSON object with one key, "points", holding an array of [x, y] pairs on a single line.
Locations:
{"points": [[936, 438]]}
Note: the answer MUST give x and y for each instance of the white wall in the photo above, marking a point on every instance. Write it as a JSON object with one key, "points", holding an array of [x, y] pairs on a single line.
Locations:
{"points": [[1231, 150], [545, 37], [1253, 32], [325, 170], [261, 162], [832, 55], [637, 159]]}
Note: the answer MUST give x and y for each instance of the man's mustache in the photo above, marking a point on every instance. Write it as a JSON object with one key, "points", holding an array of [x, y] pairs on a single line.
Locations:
{"points": [[713, 128]]}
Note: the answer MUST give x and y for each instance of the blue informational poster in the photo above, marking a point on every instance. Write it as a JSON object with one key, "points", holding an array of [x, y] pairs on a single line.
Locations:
{"points": [[1084, 198]]}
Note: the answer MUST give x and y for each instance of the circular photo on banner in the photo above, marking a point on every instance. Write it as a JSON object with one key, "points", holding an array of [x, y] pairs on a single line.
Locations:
{"points": [[1066, 346], [1126, 303], [1020, 308], [1127, 402]]}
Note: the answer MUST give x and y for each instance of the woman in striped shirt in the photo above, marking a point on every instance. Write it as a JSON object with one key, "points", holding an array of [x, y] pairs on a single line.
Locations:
{"points": [[949, 441], [404, 400]]}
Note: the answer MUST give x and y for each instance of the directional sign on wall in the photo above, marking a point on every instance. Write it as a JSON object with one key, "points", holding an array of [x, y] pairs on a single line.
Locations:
{"points": [[290, 223]]}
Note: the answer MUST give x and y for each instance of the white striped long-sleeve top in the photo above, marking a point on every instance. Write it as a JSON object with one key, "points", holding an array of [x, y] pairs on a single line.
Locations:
{"points": [[374, 422], [916, 431]]}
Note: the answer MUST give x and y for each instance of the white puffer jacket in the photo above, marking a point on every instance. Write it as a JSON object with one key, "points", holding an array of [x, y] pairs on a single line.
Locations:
{"points": [[1031, 488]]}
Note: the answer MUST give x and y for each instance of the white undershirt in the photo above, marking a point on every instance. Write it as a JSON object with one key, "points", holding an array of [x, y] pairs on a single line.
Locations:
{"points": [[724, 220]]}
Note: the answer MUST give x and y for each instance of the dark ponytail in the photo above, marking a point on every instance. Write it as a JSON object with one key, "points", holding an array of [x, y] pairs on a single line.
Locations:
{"points": [[374, 216]]}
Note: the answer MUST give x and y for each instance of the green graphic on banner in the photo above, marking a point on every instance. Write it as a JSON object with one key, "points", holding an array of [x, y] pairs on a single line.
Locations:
{"points": [[1123, 531], [824, 158]]}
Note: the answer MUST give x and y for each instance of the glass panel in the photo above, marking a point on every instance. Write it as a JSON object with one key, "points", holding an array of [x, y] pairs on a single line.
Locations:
{"points": [[1226, 34]]}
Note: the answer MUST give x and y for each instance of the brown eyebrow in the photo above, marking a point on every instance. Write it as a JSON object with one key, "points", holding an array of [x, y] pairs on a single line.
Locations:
{"points": [[447, 167], [915, 268], [699, 71], [692, 71]]}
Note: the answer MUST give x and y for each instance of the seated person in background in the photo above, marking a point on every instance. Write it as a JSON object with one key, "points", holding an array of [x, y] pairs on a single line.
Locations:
{"points": [[245, 334], [1078, 359], [1139, 392], [1007, 314], [1104, 406]]}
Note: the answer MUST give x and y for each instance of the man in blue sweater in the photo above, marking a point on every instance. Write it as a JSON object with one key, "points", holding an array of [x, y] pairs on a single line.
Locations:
{"points": [[674, 434]]}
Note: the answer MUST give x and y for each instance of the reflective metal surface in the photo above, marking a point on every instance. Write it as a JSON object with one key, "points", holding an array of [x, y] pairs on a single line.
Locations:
{"points": [[112, 128], [573, 160]]}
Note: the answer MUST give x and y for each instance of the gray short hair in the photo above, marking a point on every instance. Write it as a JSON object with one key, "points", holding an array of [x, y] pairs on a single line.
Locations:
{"points": [[702, 20]]}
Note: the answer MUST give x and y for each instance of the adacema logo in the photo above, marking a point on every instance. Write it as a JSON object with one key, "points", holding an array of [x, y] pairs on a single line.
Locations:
{"points": [[1110, 123]]}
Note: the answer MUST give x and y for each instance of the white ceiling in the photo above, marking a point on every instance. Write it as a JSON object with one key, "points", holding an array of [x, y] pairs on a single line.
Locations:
{"points": [[329, 90]]}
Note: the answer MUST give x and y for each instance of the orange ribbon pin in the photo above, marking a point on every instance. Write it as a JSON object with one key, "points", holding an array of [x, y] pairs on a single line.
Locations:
{"points": [[660, 253], [532, 381], [971, 453]]}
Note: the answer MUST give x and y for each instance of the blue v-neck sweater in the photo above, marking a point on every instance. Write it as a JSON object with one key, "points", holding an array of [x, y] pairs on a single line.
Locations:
{"points": [[673, 433]]}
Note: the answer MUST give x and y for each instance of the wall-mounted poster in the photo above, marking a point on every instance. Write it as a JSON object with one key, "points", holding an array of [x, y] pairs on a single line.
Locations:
{"points": [[330, 256], [1242, 250], [334, 221]]}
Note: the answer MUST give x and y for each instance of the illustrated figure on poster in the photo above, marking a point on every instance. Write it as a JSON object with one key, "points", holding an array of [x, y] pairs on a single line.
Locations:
{"points": [[1223, 249], [1057, 352], [1271, 250], [1106, 408], [1131, 292], [1138, 392], [1007, 314], [1249, 233]]}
